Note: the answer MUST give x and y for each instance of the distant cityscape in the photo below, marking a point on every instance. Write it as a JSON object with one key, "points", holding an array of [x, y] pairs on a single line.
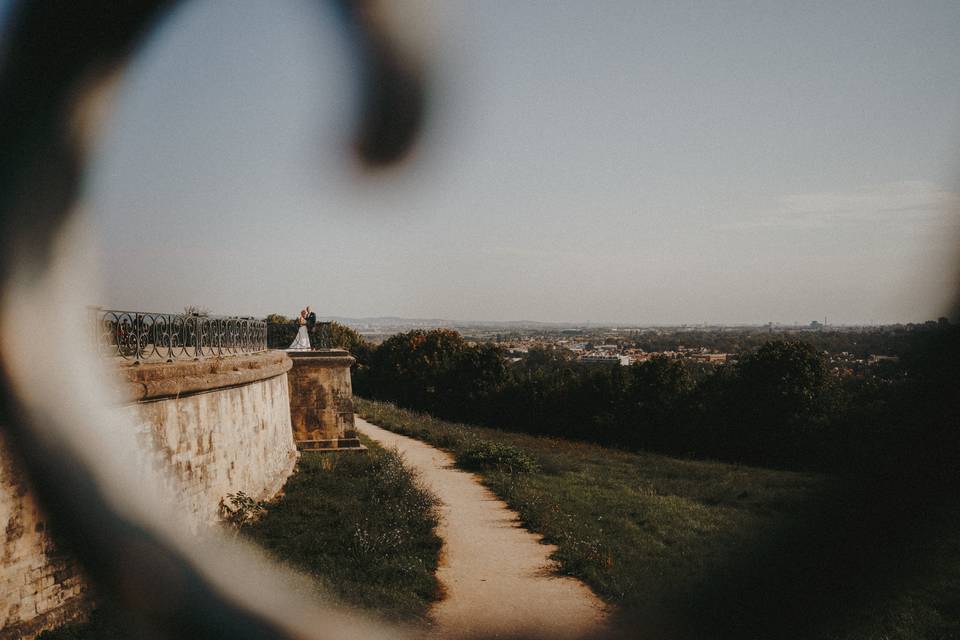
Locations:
{"points": [[625, 345]]}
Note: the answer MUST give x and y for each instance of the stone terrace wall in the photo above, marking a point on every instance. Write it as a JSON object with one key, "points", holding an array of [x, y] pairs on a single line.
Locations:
{"points": [[220, 426], [40, 587]]}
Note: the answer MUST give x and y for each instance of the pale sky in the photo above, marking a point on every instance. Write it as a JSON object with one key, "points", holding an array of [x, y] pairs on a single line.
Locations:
{"points": [[636, 162]]}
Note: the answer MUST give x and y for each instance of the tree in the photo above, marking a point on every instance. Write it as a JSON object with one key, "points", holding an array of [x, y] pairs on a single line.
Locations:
{"points": [[779, 403], [195, 310], [436, 371], [654, 393]]}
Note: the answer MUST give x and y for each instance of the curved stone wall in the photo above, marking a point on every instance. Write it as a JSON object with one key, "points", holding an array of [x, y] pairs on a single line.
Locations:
{"points": [[218, 426]]}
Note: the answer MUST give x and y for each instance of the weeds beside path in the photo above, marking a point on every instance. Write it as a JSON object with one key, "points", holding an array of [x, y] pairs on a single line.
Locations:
{"points": [[496, 576], [363, 526]]}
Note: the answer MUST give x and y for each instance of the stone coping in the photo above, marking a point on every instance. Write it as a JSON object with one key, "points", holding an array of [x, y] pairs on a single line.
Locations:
{"points": [[323, 357], [155, 381]]}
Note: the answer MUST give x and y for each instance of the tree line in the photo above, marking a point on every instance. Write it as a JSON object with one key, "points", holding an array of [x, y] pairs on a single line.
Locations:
{"points": [[778, 405]]}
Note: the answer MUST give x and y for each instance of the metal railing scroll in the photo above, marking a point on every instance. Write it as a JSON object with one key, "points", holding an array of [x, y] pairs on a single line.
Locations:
{"points": [[140, 336]]}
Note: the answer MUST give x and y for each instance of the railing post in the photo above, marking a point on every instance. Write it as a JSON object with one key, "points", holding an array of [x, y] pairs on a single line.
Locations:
{"points": [[137, 329], [169, 321], [198, 346]]}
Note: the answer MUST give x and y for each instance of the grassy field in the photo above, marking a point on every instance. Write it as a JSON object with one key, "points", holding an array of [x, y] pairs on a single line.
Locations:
{"points": [[359, 524], [708, 550]]}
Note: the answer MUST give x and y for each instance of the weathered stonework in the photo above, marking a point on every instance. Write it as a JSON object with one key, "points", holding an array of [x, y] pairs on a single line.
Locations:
{"points": [[321, 400], [218, 426], [229, 432], [40, 587]]}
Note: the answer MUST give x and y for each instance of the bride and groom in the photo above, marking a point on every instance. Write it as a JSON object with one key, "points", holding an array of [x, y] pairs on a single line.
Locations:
{"points": [[305, 322]]}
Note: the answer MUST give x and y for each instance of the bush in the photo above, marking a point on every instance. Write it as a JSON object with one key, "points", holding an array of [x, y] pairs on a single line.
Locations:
{"points": [[239, 509], [496, 455]]}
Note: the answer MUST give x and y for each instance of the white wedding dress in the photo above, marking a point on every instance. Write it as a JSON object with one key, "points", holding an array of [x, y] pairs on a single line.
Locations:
{"points": [[302, 341]]}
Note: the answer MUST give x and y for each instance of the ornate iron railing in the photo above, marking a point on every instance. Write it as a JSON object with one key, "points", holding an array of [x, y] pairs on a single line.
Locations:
{"points": [[140, 336]]}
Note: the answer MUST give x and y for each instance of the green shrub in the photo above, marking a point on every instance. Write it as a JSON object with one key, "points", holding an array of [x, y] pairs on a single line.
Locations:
{"points": [[484, 454], [239, 509]]}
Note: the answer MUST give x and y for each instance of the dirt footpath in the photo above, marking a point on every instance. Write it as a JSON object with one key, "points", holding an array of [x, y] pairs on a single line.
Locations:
{"points": [[497, 575]]}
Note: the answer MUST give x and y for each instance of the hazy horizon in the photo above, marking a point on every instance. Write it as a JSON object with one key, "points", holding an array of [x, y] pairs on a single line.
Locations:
{"points": [[405, 321], [667, 164], [598, 323]]}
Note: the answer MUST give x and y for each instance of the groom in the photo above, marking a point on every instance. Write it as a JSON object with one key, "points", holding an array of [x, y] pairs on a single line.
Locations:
{"points": [[311, 319]]}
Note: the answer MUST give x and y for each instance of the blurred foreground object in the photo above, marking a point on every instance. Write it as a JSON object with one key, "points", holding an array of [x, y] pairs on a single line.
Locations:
{"points": [[57, 62]]}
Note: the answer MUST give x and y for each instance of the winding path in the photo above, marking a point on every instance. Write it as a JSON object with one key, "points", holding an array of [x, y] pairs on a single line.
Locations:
{"points": [[497, 576]]}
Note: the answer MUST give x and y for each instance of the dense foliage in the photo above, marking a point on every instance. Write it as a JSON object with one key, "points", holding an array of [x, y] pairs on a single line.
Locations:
{"points": [[779, 405]]}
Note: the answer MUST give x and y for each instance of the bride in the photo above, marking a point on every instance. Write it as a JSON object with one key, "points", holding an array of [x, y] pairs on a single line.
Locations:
{"points": [[302, 341]]}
